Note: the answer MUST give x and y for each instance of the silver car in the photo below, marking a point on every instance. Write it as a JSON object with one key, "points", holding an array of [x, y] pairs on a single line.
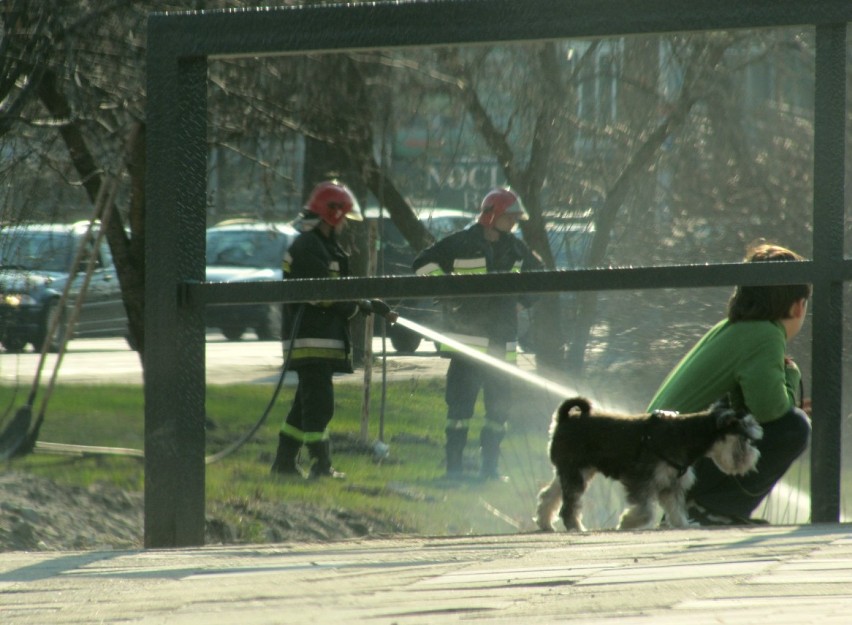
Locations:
{"points": [[241, 250]]}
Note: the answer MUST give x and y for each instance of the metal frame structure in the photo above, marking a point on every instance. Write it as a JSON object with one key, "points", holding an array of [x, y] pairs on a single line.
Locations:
{"points": [[179, 47]]}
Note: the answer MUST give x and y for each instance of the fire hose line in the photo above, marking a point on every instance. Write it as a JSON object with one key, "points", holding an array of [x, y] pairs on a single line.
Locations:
{"points": [[297, 321], [20, 436], [527, 376], [90, 450]]}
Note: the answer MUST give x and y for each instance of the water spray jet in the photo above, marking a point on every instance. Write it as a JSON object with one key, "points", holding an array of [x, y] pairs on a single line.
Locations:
{"points": [[527, 376]]}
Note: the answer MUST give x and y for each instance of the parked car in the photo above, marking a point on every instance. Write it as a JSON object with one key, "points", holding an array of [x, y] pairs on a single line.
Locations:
{"points": [[570, 239], [395, 258], [244, 250], [35, 265]]}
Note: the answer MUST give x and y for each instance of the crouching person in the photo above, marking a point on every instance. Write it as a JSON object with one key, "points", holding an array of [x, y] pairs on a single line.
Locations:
{"points": [[744, 360]]}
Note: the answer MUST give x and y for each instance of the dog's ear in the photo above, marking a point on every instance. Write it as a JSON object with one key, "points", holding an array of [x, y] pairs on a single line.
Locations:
{"points": [[726, 418], [738, 422], [721, 404]]}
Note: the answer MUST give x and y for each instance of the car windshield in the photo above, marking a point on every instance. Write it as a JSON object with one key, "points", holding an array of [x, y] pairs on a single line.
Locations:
{"points": [[441, 227], [36, 251], [246, 248]]}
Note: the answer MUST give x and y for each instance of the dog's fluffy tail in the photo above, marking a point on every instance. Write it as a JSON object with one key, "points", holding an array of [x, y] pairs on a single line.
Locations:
{"points": [[580, 403]]}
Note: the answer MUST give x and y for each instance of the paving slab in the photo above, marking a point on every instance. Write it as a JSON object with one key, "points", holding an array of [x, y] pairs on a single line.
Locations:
{"points": [[770, 574]]}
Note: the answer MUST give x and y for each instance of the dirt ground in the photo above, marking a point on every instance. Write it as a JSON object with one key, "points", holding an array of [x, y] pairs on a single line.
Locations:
{"points": [[36, 514]]}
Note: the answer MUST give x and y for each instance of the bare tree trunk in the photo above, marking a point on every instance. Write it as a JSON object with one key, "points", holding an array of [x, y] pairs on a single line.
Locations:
{"points": [[702, 66], [528, 181], [129, 259], [341, 144], [130, 255]]}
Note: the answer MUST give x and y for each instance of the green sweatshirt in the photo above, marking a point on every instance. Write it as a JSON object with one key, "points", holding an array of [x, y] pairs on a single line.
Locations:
{"points": [[745, 361]]}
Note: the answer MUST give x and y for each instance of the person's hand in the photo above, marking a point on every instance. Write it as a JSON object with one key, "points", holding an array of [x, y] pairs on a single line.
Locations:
{"points": [[807, 407], [379, 307], [370, 306]]}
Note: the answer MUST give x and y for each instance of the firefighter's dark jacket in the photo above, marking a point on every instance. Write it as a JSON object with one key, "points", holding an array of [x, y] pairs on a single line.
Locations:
{"points": [[465, 252], [323, 334]]}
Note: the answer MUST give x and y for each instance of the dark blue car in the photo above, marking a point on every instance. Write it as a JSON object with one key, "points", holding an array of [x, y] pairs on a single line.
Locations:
{"points": [[35, 265]]}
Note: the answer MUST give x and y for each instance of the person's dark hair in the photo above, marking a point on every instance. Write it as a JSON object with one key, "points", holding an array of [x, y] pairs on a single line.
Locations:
{"points": [[766, 303]]}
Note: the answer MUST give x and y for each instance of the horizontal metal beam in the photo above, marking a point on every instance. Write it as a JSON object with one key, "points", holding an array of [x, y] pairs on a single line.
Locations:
{"points": [[397, 287], [280, 30]]}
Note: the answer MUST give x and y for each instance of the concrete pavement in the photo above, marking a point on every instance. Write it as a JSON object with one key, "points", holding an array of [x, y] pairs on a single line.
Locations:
{"points": [[778, 575]]}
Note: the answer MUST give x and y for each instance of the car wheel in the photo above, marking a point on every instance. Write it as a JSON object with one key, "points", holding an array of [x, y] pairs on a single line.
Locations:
{"points": [[404, 340], [13, 344], [233, 333], [50, 311], [270, 328]]}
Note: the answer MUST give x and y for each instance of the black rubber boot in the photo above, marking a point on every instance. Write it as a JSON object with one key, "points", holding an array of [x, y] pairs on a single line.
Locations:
{"points": [[286, 457], [456, 441], [489, 440], [321, 453]]}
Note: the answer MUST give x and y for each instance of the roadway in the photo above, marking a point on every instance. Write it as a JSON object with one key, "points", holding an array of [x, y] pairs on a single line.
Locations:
{"points": [[111, 361]]}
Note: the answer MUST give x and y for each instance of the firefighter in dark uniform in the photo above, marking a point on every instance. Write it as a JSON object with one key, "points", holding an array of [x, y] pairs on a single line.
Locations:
{"points": [[321, 346], [489, 324]]}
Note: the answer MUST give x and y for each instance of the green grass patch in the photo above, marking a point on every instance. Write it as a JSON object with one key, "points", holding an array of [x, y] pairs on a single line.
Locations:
{"points": [[406, 487]]}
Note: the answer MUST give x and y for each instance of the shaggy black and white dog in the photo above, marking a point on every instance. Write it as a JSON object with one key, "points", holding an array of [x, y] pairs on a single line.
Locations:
{"points": [[650, 454]]}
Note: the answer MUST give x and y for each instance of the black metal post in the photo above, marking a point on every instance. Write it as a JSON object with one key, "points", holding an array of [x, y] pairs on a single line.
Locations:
{"points": [[174, 334], [829, 205]]}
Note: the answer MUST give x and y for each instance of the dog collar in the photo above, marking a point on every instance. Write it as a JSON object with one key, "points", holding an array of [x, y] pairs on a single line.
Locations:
{"points": [[680, 468]]}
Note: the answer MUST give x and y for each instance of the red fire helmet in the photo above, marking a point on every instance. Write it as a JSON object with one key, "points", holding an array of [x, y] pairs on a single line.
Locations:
{"points": [[499, 202], [333, 201]]}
